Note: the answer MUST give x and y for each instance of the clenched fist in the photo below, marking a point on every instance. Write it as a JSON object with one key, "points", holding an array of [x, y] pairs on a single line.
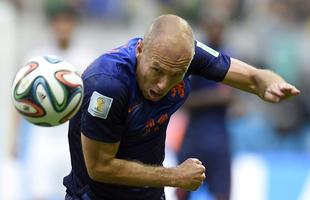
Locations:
{"points": [[191, 174]]}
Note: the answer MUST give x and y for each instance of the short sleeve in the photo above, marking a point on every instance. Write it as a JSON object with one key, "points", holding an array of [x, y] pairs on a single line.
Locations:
{"points": [[104, 108], [209, 63]]}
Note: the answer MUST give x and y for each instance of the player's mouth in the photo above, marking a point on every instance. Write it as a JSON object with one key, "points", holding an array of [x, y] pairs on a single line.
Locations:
{"points": [[155, 95]]}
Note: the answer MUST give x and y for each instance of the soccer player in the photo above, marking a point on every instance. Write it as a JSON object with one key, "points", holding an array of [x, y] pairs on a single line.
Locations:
{"points": [[117, 138]]}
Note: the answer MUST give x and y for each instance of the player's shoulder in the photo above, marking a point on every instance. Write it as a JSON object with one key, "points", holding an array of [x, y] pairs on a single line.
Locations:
{"points": [[119, 62], [123, 54], [107, 85]]}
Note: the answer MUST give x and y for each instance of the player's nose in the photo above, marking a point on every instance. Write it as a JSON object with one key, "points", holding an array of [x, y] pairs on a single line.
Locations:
{"points": [[162, 83]]}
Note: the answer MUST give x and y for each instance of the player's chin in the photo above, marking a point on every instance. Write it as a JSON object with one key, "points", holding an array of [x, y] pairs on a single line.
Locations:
{"points": [[154, 98]]}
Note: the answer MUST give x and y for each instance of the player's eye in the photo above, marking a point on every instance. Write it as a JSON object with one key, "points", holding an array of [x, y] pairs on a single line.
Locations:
{"points": [[155, 69]]}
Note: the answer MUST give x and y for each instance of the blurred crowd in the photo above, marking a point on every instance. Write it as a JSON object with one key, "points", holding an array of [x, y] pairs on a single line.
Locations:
{"points": [[271, 34]]}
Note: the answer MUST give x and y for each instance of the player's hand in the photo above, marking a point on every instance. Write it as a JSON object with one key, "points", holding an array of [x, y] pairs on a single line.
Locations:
{"points": [[279, 91], [191, 174]]}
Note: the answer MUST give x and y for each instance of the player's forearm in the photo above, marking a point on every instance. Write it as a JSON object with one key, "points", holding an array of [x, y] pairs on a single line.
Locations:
{"points": [[131, 173], [241, 76], [250, 79], [264, 79]]}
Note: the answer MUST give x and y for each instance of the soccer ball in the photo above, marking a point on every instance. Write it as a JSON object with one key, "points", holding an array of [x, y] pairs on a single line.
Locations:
{"points": [[47, 91]]}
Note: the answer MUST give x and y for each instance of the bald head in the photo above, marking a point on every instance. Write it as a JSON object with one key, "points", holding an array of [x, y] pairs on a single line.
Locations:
{"points": [[164, 56], [170, 31]]}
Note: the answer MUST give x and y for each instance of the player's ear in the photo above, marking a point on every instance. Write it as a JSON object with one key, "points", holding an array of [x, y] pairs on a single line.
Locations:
{"points": [[139, 48]]}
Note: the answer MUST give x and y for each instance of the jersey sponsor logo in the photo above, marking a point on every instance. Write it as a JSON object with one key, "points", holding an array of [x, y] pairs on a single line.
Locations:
{"points": [[208, 49], [178, 89], [99, 105]]}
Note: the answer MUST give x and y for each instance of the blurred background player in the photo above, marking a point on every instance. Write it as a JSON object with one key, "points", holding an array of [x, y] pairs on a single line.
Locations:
{"points": [[9, 169], [206, 135], [47, 157]]}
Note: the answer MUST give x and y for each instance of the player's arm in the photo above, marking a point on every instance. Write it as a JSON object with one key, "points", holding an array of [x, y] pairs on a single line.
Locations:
{"points": [[265, 83], [220, 67], [103, 166]]}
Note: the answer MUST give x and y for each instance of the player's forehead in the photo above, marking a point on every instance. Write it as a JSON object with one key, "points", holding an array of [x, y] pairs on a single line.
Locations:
{"points": [[167, 64], [174, 59]]}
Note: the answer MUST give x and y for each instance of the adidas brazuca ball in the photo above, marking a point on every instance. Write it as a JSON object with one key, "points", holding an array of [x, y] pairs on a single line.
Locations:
{"points": [[47, 91]]}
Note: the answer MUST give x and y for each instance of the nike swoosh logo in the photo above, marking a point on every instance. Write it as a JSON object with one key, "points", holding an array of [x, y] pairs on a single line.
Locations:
{"points": [[132, 108]]}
